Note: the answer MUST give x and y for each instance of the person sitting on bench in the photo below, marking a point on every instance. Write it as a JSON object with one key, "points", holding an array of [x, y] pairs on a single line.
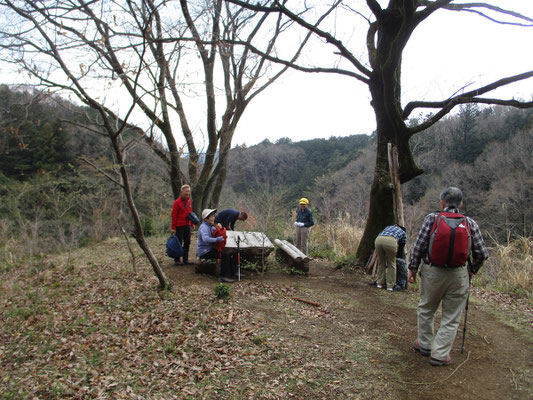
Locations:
{"points": [[206, 250]]}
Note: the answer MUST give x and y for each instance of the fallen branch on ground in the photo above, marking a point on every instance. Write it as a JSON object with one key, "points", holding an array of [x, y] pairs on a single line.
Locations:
{"points": [[307, 301]]}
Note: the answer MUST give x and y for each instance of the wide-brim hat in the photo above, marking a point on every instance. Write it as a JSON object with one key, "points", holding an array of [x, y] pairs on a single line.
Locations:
{"points": [[207, 212]]}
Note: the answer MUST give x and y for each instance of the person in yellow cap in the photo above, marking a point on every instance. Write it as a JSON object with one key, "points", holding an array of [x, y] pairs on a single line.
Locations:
{"points": [[304, 222]]}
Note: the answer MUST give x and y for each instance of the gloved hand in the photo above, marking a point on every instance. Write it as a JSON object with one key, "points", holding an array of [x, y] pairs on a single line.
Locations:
{"points": [[219, 239], [298, 224]]}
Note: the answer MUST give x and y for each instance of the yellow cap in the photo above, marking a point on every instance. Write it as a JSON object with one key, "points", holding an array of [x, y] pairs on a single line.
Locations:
{"points": [[303, 200]]}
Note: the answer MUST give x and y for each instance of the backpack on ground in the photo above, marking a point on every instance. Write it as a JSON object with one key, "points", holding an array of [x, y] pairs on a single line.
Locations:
{"points": [[450, 240], [401, 273], [174, 249]]}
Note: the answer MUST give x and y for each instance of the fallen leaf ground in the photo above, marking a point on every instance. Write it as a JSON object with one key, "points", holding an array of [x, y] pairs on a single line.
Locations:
{"points": [[85, 326]]}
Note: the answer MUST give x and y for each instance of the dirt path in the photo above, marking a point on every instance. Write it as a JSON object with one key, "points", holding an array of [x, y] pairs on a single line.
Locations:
{"points": [[358, 343]]}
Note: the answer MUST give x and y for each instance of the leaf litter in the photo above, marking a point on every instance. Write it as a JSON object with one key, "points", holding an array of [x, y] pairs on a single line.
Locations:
{"points": [[98, 330]]}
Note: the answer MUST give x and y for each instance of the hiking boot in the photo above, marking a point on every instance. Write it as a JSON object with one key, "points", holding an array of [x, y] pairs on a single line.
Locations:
{"points": [[224, 279], [389, 289], [379, 286], [374, 283], [421, 350], [397, 288], [188, 263], [177, 262], [440, 363]]}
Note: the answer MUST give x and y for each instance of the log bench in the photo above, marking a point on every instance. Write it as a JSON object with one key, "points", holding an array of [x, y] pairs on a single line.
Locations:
{"points": [[289, 254], [209, 267]]}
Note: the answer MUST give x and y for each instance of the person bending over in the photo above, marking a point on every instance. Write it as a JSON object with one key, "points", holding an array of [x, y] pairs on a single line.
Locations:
{"points": [[227, 218]]}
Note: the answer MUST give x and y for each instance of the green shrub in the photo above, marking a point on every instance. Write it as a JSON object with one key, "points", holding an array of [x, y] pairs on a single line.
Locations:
{"points": [[222, 291]]}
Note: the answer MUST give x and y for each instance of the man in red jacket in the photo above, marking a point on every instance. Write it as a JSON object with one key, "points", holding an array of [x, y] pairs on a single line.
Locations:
{"points": [[181, 226]]}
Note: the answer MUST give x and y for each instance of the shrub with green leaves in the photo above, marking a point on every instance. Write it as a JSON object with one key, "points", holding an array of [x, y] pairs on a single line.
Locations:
{"points": [[222, 291]]}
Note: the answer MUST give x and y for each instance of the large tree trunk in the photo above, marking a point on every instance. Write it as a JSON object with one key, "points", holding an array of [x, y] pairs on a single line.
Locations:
{"points": [[381, 210], [390, 129]]}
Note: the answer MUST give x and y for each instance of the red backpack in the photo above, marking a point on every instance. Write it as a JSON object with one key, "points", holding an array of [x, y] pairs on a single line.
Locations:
{"points": [[450, 240], [221, 245]]}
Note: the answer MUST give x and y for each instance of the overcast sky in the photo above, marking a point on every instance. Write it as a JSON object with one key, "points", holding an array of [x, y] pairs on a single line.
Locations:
{"points": [[450, 50]]}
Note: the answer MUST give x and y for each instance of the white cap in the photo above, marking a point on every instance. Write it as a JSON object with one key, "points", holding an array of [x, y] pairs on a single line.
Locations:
{"points": [[207, 212]]}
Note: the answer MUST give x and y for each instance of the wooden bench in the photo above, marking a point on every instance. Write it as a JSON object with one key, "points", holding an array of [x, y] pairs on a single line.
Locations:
{"points": [[209, 267], [288, 253]]}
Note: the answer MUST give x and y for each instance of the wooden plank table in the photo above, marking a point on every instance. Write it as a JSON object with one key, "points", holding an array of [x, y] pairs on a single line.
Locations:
{"points": [[252, 245]]}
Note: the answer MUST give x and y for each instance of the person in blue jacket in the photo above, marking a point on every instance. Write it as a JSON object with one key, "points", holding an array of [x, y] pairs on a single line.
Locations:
{"points": [[206, 249], [304, 222], [227, 218]]}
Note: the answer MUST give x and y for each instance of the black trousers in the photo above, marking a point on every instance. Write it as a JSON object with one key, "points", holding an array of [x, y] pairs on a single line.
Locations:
{"points": [[184, 235], [228, 267]]}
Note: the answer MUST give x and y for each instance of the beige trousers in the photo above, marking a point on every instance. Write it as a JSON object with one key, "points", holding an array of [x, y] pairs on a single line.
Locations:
{"points": [[448, 286], [386, 247], [302, 234]]}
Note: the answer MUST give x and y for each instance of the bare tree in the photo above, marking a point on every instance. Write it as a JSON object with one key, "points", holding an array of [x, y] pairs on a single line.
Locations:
{"points": [[165, 56], [389, 31], [134, 61]]}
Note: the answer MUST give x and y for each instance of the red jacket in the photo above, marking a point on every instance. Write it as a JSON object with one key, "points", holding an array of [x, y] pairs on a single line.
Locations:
{"points": [[220, 245], [180, 209]]}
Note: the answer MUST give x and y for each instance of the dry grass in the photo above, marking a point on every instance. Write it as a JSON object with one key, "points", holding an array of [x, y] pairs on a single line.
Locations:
{"points": [[510, 268], [338, 238]]}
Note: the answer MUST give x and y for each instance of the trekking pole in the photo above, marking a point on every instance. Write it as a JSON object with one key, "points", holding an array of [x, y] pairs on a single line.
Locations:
{"points": [[466, 311], [239, 257]]}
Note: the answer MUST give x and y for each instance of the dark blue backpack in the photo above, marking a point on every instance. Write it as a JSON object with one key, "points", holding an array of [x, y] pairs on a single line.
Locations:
{"points": [[174, 249], [401, 273]]}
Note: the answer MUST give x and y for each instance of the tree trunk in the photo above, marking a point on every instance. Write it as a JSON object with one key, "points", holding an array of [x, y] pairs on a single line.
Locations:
{"points": [[138, 232]]}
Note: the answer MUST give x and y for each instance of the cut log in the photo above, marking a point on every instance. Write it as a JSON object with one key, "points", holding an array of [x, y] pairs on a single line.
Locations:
{"points": [[288, 253], [394, 170], [209, 267], [293, 252]]}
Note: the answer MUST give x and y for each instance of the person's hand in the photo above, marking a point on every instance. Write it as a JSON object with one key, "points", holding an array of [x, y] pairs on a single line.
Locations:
{"points": [[173, 231], [219, 226], [219, 239], [411, 277]]}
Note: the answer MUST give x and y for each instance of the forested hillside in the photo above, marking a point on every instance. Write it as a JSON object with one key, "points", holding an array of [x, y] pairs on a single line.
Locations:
{"points": [[487, 152], [56, 177], [57, 189]]}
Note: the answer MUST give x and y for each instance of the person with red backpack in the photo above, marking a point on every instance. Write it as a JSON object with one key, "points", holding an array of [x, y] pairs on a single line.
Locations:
{"points": [[445, 244]]}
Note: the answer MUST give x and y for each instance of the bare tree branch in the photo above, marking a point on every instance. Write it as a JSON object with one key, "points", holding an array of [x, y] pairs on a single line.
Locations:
{"points": [[471, 96], [100, 170], [471, 7]]}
